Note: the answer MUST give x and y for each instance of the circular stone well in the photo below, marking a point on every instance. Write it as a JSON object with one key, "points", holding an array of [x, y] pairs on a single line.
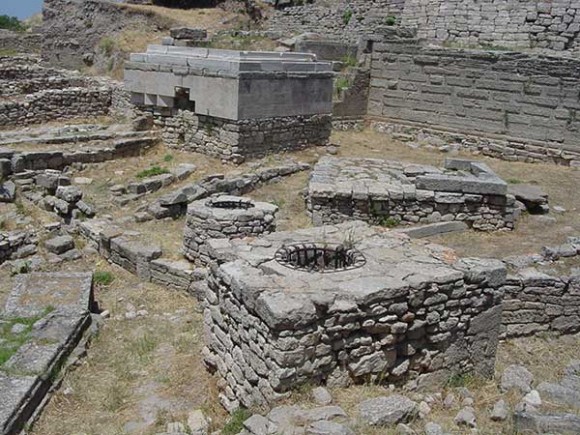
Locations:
{"points": [[224, 217]]}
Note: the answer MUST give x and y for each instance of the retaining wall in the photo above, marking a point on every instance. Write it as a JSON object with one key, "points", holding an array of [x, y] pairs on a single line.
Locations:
{"points": [[504, 96]]}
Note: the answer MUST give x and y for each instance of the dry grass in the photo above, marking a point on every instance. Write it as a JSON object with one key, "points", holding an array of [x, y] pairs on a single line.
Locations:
{"points": [[147, 368]]}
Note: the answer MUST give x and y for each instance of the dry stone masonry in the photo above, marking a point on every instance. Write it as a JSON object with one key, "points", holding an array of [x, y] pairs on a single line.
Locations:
{"points": [[231, 104], [387, 192], [224, 217], [357, 305]]}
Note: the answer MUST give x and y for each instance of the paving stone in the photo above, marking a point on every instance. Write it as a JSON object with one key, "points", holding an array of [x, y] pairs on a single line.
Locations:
{"points": [[387, 411], [60, 244]]}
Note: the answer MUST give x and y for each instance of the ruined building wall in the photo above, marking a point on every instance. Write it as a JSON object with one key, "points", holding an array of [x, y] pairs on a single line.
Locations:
{"points": [[249, 138], [20, 42], [366, 16], [508, 23], [528, 102]]}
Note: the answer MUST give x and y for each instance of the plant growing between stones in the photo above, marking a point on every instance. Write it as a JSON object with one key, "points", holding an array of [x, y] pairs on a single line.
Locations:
{"points": [[342, 83], [388, 222], [236, 422], [101, 277], [152, 171], [391, 20], [346, 17], [349, 61]]}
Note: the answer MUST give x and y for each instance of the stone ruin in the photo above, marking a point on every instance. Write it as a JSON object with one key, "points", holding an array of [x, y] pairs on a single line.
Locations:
{"points": [[224, 217], [388, 192], [342, 304], [233, 104]]}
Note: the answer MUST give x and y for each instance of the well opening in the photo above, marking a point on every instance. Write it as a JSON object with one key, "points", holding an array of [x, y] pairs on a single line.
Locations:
{"points": [[313, 257], [231, 204]]}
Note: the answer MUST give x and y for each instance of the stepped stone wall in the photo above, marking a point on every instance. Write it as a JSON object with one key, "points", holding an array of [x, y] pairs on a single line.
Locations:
{"points": [[508, 96]]}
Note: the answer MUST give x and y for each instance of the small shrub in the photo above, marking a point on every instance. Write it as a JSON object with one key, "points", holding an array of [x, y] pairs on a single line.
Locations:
{"points": [[236, 422], [342, 83], [153, 170], [167, 158], [391, 20], [514, 181], [8, 52], [346, 17], [460, 380], [102, 277], [388, 222], [107, 45], [349, 61]]}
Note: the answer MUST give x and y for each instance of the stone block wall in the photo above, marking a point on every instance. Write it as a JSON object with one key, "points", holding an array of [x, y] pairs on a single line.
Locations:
{"points": [[542, 292], [55, 104], [518, 97], [388, 193], [17, 244], [237, 140], [334, 19], [267, 331], [351, 103], [508, 23]]}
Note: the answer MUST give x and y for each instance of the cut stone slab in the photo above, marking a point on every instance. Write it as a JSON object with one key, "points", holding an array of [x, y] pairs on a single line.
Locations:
{"points": [[530, 421], [434, 229], [387, 411], [60, 244], [534, 198], [328, 428], [34, 293], [517, 377], [13, 389], [559, 394]]}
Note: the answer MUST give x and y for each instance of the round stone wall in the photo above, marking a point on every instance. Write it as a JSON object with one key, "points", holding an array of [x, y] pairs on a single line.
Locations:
{"points": [[224, 217]]}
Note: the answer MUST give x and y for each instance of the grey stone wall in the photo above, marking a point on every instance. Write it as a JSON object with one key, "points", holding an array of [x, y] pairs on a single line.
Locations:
{"points": [[542, 293], [17, 244], [504, 95], [331, 19], [391, 193], [238, 140], [507, 23], [269, 329], [20, 42], [58, 104]]}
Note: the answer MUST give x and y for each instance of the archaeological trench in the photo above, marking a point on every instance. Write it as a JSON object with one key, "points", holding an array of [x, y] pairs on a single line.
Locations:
{"points": [[349, 291]]}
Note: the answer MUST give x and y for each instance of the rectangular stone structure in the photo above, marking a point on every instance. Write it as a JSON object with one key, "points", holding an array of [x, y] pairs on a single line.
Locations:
{"points": [[392, 310], [233, 104], [389, 192]]}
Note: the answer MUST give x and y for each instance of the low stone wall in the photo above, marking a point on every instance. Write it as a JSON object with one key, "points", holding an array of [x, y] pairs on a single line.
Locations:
{"points": [[224, 217], [61, 104], [15, 245], [15, 162], [139, 258], [388, 193], [270, 328], [515, 97], [539, 297], [20, 42], [237, 140]]}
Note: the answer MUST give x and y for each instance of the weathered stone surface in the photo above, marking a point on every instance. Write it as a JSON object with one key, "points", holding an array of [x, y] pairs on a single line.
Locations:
{"points": [[466, 417], [60, 244], [321, 396], [70, 194], [534, 198], [500, 411], [558, 394], [387, 411], [516, 377]]}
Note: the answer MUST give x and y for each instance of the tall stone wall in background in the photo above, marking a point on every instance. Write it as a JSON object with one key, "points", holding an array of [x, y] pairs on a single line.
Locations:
{"points": [[334, 19], [19, 42], [551, 24], [492, 94]]}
